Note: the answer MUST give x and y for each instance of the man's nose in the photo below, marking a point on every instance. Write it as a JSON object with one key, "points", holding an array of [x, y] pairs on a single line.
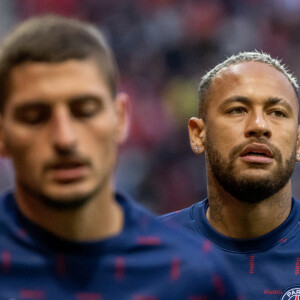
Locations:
{"points": [[258, 125], [63, 132]]}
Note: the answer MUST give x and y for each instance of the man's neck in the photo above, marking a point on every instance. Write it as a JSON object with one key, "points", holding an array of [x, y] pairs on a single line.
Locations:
{"points": [[236, 219], [100, 218]]}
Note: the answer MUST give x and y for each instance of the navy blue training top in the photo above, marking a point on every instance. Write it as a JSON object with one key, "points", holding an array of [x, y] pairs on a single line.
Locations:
{"points": [[267, 267], [146, 261]]}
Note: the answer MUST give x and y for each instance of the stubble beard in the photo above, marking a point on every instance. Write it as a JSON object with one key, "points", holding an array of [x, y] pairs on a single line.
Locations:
{"points": [[249, 189]]}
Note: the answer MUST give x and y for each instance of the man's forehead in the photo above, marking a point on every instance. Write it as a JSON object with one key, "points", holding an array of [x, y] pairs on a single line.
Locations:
{"points": [[255, 71], [39, 77], [252, 79], [248, 68]]}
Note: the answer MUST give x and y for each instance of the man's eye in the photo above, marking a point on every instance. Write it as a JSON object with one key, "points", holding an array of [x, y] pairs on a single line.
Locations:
{"points": [[278, 114], [85, 108], [237, 111], [33, 115]]}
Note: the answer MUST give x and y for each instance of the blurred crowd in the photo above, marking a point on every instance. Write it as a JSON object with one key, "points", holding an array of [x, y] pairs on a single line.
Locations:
{"points": [[163, 48]]}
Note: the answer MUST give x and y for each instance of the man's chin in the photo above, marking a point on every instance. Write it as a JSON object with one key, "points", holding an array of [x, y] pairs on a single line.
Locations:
{"points": [[254, 185], [65, 201], [66, 198], [255, 176], [253, 188]]}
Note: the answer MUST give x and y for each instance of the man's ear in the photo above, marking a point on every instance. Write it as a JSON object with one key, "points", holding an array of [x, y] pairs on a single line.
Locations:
{"points": [[197, 135], [123, 109], [298, 145], [3, 150]]}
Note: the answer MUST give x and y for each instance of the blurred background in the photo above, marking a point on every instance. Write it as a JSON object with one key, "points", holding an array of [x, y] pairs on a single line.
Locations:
{"points": [[163, 48]]}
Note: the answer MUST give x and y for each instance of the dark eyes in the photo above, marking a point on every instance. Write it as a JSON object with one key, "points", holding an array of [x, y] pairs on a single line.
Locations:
{"points": [[85, 108], [237, 111], [39, 113], [278, 113], [33, 114]]}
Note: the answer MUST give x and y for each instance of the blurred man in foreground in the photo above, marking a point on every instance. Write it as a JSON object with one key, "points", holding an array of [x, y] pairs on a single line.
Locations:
{"points": [[248, 129], [64, 233]]}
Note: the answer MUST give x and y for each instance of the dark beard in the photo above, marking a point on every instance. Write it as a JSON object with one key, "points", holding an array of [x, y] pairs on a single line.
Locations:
{"points": [[249, 190]]}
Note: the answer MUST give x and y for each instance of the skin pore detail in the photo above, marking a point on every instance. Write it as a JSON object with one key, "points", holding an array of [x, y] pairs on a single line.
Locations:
{"points": [[68, 231], [215, 208], [283, 207], [249, 192], [237, 219], [247, 128]]}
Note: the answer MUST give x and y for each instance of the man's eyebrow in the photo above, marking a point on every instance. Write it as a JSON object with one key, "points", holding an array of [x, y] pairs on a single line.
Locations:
{"points": [[84, 97], [247, 101], [239, 99], [31, 104], [274, 100]]}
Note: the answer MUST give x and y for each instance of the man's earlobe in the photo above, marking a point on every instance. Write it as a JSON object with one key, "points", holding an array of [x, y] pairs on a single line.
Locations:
{"points": [[197, 135], [123, 107], [298, 146]]}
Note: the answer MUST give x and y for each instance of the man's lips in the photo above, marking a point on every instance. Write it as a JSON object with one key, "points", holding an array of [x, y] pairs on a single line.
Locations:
{"points": [[257, 153], [68, 170]]}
